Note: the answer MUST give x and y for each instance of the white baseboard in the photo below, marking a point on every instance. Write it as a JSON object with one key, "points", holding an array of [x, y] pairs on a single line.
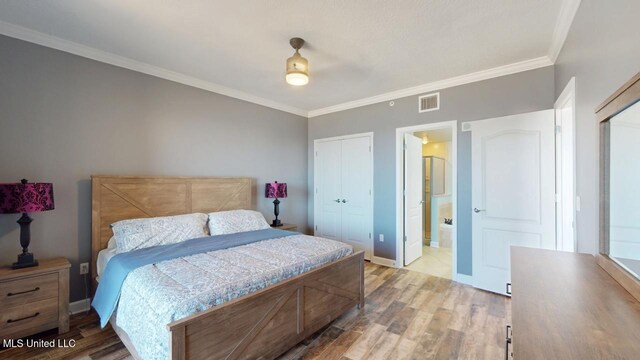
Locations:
{"points": [[464, 279], [79, 306], [383, 261]]}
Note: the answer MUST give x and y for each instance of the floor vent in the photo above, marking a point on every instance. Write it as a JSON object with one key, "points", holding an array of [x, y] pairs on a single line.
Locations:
{"points": [[429, 102]]}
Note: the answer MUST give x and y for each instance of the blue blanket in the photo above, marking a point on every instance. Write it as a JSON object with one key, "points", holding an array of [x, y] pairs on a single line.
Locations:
{"points": [[108, 292]]}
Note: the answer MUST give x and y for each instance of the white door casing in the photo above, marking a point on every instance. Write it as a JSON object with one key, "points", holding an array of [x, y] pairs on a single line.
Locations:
{"points": [[413, 198], [343, 194], [356, 194], [513, 192], [565, 169]]}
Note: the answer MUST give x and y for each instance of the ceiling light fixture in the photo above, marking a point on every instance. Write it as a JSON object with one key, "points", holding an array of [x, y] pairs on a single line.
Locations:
{"points": [[425, 140], [297, 66]]}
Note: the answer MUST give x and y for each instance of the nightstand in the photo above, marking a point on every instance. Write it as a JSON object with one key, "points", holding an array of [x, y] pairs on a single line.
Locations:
{"points": [[34, 299], [290, 227]]}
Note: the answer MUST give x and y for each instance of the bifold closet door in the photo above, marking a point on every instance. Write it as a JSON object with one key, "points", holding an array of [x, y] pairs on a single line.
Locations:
{"points": [[343, 191], [356, 193], [329, 191]]}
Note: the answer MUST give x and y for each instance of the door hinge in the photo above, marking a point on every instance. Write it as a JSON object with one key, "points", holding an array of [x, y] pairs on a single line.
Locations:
{"points": [[316, 227], [558, 129], [369, 191], [369, 235], [557, 198], [404, 146], [369, 148], [404, 238], [316, 154], [316, 190]]}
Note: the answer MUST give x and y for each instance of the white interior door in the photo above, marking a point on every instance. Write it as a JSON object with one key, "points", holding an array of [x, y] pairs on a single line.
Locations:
{"points": [[513, 192], [356, 194], [413, 209], [328, 178]]}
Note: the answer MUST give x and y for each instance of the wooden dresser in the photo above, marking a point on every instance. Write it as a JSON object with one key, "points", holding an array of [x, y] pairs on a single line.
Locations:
{"points": [[34, 299], [565, 306]]}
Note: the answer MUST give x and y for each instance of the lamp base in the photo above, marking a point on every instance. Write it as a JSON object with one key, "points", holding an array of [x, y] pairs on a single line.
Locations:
{"points": [[276, 223], [25, 260]]}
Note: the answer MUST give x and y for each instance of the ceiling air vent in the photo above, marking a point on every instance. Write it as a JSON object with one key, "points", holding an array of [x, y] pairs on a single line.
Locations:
{"points": [[429, 102]]}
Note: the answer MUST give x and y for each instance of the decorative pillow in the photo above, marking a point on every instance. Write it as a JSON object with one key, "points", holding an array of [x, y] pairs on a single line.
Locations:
{"points": [[142, 233], [235, 221]]}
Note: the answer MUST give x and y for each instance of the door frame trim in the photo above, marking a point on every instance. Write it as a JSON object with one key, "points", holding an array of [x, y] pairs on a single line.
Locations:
{"points": [[568, 94], [400, 186], [315, 182]]}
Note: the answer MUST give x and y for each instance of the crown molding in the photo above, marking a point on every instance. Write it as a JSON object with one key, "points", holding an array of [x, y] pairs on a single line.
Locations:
{"points": [[568, 11], [509, 69], [565, 18], [71, 47]]}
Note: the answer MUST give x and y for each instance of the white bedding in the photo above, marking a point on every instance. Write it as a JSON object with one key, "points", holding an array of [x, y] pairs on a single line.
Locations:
{"points": [[155, 295], [104, 256]]}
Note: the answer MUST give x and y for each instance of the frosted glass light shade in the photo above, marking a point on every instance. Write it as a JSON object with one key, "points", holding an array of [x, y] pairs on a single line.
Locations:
{"points": [[297, 70]]}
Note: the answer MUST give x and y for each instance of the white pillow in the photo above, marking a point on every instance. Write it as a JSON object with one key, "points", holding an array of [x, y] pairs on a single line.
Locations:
{"points": [[235, 221], [142, 233]]}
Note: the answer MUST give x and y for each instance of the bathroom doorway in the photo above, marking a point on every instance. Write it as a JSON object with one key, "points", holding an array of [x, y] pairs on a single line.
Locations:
{"points": [[428, 162]]}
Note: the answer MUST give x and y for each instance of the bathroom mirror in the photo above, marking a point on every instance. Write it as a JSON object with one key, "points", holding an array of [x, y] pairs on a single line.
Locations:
{"points": [[624, 189]]}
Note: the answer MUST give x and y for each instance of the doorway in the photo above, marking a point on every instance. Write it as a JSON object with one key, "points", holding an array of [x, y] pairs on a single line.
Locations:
{"points": [[565, 117], [426, 198]]}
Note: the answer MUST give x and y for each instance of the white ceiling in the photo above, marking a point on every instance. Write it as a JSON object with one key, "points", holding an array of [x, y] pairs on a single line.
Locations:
{"points": [[356, 49]]}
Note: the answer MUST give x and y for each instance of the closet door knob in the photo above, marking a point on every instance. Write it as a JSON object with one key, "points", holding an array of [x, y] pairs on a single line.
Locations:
{"points": [[337, 200], [344, 201], [476, 210]]}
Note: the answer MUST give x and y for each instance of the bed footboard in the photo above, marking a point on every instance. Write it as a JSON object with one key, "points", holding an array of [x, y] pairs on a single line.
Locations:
{"points": [[266, 323]]}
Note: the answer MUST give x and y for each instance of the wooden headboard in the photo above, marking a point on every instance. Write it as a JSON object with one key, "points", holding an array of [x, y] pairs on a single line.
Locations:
{"points": [[115, 198]]}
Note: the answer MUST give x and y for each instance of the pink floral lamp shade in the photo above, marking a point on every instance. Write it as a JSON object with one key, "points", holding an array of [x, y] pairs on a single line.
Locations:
{"points": [[26, 198], [275, 190]]}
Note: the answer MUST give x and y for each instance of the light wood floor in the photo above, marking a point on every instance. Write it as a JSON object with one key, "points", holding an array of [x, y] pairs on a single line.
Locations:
{"points": [[408, 315]]}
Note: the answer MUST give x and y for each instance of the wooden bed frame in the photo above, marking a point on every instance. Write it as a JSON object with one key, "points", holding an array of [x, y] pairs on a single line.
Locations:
{"points": [[260, 325]]}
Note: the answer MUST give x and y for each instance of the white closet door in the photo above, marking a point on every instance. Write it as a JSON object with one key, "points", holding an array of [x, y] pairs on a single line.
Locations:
{"points": [[329, 192], [356, 194]]}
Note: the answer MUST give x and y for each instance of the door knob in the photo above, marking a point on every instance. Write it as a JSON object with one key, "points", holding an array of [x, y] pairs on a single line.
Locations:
{"points": [[337, 200], [476, 210], [421, 201], [344, 201]]}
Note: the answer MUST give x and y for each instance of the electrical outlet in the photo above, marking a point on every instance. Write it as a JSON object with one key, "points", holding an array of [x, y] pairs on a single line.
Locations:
{"points": [[381, 238], [84, 268]]}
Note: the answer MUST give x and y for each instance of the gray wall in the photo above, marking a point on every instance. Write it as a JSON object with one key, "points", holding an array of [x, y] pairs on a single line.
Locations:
{"points": [[63, 118], [602, 51], [513, 94]]}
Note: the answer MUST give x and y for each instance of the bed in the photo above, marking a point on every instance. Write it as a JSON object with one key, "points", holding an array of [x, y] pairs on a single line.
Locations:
{"points": [[262, 323]]}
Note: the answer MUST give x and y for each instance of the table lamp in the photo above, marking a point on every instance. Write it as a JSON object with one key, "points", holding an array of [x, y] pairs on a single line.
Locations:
{"points": [[25, 198], [276, 190]]}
